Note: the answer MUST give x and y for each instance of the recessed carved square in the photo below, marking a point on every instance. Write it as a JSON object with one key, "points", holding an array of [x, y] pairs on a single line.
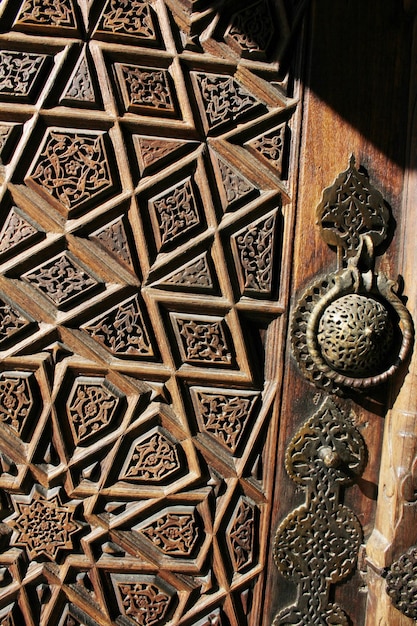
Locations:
{"points": [[146, 90], [175, 214], [203, 340]]}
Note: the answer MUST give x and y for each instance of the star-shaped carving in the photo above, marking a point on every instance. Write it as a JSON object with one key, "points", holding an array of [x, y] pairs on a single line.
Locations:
{"points": [[43, 524]]}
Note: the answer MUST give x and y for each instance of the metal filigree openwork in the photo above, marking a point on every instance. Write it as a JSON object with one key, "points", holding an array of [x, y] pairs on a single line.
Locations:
{"points": [[316, 546], [401, 583], [350, 328]]}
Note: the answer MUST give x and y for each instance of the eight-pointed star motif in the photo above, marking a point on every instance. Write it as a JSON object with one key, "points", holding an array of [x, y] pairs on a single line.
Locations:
{"points": [[42, 523]]}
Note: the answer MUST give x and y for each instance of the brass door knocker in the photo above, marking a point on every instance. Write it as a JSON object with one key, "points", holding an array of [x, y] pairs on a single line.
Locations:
{"points": [[350, 329]]}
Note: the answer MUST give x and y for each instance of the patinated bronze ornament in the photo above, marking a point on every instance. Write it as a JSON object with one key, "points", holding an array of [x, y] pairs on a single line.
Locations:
{"points": [[401, 583], [350, 329], [317, 544]]}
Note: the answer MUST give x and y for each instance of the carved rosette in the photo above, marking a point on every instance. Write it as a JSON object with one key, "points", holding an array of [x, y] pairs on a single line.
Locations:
{"points": [[43, 524], [317, 545], [350, 329]]}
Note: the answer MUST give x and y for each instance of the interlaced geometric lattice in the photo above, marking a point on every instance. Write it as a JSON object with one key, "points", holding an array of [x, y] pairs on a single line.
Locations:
{"points": [[142, 276]]}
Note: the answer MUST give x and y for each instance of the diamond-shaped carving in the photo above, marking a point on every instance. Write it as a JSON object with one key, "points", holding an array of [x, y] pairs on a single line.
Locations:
{"points": [[131, 206], [91, 407], [175, 214], [21, 74], [72, 168], [17, 232], [202, 340], [146, 90], [122, 330], [62, 280]]}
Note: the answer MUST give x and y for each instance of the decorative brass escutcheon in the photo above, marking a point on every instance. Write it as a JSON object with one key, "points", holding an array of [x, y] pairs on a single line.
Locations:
{"points": [[350, 329]]}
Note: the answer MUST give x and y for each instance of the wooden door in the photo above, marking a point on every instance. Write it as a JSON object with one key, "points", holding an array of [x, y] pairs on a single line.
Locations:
{"points": [[161, 164]]}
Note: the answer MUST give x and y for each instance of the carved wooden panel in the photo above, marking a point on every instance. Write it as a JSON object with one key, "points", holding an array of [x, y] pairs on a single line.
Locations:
{"points": [[145, 228]]}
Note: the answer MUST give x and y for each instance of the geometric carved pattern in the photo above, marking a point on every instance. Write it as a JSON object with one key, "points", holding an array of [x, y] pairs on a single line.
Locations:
{"points": [[224, 416], [144, 602], [11, 322], [236, 187], [47, 12], [194, 275], [173, 533], [254, 250], [251, 29], [241, 534], [16, 399], [154, 152], [20, 73], [16, 231], [90, 407], [153, 458], [122, 330], [140, 254], [269, 147], [224, 100], [61, 279], [43, 524], [174, 213], [113, 238], [80, 88], [145, 90], [128, 17], [202, 341], [72, 167]]}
